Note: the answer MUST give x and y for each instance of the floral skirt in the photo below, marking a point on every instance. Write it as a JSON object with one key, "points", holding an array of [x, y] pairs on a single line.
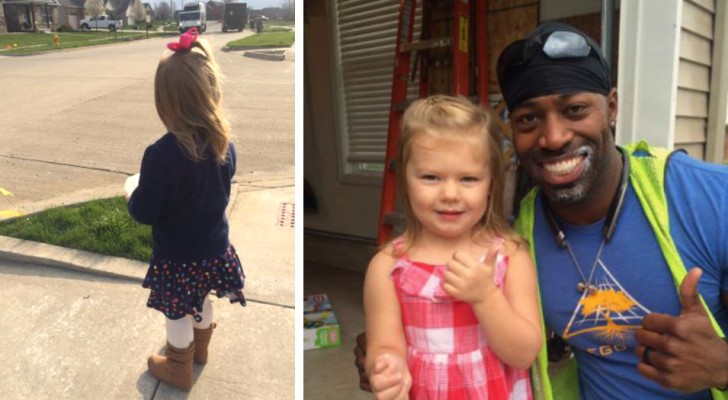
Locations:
{"points": [[180, 288]]}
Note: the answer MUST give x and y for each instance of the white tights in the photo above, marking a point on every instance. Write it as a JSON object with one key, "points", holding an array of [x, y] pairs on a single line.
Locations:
{"points": [[179, 331]]}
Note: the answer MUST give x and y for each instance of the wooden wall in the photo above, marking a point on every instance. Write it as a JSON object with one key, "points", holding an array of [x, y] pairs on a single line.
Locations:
{"points": [[508, 20]]}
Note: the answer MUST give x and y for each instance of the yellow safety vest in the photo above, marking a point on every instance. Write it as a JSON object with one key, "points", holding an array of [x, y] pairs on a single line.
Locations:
{"points": [[647, 175]]}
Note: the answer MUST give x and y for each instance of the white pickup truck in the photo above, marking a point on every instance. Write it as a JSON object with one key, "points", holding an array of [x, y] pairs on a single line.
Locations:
{"points": [[101, 22]]}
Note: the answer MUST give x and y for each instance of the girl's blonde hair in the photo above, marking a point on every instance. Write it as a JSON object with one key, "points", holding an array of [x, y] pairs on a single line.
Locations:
{"points": [[443, 116], [188, 97]]}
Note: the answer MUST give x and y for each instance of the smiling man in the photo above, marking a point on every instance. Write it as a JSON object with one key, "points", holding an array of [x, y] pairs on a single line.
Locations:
{"points": [[613, 231]]}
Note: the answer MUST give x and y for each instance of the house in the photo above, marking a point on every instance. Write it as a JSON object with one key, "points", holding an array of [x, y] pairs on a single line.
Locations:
{"points": [[149, 11], [118, 9], [272, 13], [129, 14], [28, 15], [214, 10], [669, 59], [70, 12]]}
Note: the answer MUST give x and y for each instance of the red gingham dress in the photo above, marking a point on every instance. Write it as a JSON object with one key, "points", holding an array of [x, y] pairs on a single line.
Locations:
{"points": [[448, 354]]}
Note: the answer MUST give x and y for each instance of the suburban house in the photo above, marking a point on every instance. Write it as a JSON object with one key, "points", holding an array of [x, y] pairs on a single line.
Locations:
{"points": [[28, 15], [214, 10], [70, 12], [49, 15], [129, 14], [272, 13], [118, 9], [669, 59]]}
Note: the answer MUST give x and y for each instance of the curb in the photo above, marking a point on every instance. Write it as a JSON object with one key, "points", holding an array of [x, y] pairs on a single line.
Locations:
{"points": [[76, 260], [28, 251], [267, 47], [270, 55]]}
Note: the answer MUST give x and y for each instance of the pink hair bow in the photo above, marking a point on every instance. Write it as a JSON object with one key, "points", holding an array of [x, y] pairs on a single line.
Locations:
{"points": [[185, 41]]}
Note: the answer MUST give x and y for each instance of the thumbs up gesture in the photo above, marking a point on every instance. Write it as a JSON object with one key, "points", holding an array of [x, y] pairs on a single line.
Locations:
{"points": [[469, 278], [683, 353]]}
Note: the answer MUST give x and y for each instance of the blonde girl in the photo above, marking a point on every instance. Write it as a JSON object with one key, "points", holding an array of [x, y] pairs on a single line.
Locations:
{"points": [[451, 305], [184, 188]]}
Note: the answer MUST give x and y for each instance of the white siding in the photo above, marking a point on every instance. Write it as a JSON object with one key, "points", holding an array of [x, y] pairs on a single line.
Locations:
{"points": [[693, 80], [696, 151]]}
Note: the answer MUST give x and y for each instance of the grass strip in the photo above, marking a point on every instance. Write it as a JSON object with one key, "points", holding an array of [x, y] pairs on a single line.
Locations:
{"points": [[277, 29], [265, 39], [100, 226], [280, 23], [28, 43]]}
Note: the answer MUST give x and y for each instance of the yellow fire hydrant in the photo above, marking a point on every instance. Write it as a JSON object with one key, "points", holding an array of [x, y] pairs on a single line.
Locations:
{"points": [[56, 40]]}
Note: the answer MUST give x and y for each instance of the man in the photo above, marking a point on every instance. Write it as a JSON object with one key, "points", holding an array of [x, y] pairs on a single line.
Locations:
{"points": [[613, 232]]}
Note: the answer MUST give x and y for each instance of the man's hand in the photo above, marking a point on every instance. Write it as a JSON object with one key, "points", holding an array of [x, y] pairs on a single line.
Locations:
{"points": [[360, 352], [470, 279], [390, 379], [684, 353]]}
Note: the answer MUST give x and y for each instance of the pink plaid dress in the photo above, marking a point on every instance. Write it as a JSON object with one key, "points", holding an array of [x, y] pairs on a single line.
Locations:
{"points": [[448, 354]]}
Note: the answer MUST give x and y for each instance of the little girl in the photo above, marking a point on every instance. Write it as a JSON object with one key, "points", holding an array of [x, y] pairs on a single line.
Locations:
{"points": [[451, 305], [184, 188]]}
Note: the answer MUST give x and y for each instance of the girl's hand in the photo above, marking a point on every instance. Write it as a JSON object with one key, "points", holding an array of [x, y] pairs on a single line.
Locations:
{"points": [[470, 279], [390, 379]]}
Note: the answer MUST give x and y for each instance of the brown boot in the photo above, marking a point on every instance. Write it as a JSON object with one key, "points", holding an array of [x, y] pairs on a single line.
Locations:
{"points": [[202, 340], [174, 369]]}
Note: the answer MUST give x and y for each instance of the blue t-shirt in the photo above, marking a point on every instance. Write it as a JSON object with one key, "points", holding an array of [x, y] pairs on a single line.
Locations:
{"points": [[633, 278]]}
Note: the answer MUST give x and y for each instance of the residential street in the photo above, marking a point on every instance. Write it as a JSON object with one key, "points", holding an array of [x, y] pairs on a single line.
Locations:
{"points": [[78, 119], [73, 125]]}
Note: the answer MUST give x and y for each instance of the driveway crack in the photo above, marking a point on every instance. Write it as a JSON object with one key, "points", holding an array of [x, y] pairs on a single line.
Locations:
{"points": [[113, 171]]}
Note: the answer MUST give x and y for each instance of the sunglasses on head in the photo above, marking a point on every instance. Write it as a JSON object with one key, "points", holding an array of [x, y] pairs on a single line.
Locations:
{"points": [[555, 45]]}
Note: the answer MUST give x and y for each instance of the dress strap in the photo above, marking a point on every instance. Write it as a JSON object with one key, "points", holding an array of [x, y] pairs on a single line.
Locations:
{"points": [[398, 248]]}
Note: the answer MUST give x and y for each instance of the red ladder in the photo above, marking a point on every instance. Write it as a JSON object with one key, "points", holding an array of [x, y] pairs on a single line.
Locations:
{"points": [[460, 66]]}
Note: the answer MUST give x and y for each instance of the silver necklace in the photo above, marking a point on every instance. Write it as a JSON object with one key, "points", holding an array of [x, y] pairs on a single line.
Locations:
{"points": [[610, 223], [585, 285]]}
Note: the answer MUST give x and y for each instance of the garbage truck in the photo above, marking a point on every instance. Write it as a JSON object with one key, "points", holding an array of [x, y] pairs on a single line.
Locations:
{"points": [[193, 15], [235, 16]]}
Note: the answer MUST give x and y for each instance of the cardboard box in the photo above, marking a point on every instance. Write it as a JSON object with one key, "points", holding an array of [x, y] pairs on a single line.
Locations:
{"points": [[321, 329]]}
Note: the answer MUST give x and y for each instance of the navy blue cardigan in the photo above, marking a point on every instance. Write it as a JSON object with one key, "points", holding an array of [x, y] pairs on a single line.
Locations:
{"points": [[184, 201]]}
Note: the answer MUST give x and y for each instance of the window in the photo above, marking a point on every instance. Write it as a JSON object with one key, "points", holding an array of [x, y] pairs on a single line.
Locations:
{"points": [[46, 14], [365, 37]]}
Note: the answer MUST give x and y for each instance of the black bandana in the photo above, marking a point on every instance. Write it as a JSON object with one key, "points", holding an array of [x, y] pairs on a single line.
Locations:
{"points": [[537, 74]]}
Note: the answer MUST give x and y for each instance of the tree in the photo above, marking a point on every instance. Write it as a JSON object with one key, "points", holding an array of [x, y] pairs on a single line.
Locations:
{"points": [[94, 8], [289, 10], [138, 12], [164, 11], [116, 6]]}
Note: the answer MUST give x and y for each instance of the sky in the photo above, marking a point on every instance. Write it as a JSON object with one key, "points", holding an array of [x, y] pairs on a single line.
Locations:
{"points": [[256, 4]]}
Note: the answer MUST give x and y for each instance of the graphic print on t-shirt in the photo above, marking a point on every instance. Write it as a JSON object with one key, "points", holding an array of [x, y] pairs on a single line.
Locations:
{"points": [[610, 312]]}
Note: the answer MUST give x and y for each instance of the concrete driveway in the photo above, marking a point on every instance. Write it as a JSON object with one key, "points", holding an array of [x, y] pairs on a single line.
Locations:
{"points": [[78, 119]]}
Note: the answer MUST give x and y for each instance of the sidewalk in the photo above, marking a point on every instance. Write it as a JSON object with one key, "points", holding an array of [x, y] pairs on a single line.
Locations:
{"points": [[75, 324]]}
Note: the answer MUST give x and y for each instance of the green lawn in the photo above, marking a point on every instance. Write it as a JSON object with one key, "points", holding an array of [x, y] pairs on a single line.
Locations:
{"points": [[265, 39], [171, 27], [280, 23], [28, 43], [100, 226], [277, 29], [155, 25]]}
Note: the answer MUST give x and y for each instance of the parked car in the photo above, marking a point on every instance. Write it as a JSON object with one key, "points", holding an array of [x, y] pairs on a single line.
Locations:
{"points": [[101, 22]]}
